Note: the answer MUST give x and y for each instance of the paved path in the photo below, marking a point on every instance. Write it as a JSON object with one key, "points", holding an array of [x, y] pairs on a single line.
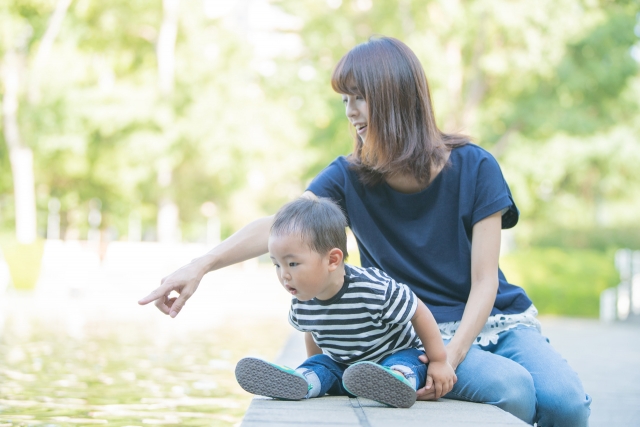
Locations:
{"points": [[606, 356]]}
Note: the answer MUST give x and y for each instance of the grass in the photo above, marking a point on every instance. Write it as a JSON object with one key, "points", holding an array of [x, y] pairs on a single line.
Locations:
{"points": [[562, 281]]}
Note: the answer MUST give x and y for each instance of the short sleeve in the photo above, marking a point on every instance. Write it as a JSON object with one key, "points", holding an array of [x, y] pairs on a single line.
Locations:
{"points": [[293, 320], [401, 304], [492, 194], [331, 182]]}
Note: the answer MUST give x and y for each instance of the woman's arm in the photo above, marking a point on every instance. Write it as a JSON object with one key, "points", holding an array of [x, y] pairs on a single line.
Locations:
{"points": [[485, 251], [248, 242]]}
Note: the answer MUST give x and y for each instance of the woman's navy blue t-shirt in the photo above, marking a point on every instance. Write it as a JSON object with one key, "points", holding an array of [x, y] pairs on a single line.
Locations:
{"points": [[424, 239]]}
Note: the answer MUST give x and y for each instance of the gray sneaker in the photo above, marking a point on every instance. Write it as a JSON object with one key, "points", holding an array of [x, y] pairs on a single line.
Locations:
{"points": [[375, 382], [264, 378]]}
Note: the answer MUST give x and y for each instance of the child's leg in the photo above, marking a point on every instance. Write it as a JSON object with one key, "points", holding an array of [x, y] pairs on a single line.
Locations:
{"points": [[393, 382], [407, 363], [324, 375], [317, 376]]}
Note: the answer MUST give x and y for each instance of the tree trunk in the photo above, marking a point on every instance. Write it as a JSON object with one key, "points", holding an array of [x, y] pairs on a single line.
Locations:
{"points": [[21, 157], [168, 214], [477, 85], [165, 48], [44, 49], [455, 81]]}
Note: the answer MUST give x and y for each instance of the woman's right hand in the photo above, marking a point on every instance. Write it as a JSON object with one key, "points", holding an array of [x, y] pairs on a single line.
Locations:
{"points": [[249, 242], [183, 281]]}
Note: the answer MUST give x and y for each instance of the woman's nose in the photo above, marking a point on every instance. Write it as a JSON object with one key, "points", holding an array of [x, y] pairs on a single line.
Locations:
{"points": [[351, 112]]}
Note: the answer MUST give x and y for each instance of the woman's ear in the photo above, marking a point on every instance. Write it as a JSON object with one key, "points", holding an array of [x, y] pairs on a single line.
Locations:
{"points": [[335, 259]]}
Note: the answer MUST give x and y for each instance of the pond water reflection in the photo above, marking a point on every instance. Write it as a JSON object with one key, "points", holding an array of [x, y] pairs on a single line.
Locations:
{"points": [[64, 361]]}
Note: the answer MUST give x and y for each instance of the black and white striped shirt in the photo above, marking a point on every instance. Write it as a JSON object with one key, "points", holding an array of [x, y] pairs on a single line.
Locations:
{"points": [[368, 319]]}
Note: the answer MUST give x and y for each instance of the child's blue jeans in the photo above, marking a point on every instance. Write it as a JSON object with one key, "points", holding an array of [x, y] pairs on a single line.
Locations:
{"points": [[329, 372]]}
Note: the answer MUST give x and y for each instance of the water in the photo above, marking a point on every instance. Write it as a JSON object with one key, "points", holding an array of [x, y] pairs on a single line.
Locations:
{"points": [[80, 351], [126, 373]]}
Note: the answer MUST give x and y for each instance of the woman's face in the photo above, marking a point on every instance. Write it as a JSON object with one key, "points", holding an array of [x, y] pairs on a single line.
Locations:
{"points": [[357, 113]]}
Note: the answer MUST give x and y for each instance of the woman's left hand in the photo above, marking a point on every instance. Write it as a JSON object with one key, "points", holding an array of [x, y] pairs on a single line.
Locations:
{"points": [[455, 355]]}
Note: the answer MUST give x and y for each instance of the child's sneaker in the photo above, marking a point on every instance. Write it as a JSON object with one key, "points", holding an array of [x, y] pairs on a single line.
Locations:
{"points": [[375, 382], [263, 378]]}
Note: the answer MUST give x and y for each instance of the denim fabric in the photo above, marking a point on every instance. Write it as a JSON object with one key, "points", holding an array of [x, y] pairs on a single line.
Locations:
{"points": [[525, 376], [329, 372]]}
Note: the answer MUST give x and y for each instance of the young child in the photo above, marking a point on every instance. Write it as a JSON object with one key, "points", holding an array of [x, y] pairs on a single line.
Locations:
{"points": [[364, 331]]}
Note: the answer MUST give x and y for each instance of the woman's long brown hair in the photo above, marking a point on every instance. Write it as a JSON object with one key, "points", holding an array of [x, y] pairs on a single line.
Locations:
{"points": [[402, 135]]}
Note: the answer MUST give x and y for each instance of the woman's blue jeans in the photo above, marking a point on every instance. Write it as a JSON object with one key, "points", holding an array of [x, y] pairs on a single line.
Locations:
{"points": [[525, 376], [329, 372]]}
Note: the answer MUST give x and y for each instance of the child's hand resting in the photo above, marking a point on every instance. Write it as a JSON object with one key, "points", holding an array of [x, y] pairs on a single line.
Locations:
{"points": [[440, 376]]}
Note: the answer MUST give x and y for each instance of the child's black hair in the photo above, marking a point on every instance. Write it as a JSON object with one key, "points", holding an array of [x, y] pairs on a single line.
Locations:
{"points": [[320, 223]]}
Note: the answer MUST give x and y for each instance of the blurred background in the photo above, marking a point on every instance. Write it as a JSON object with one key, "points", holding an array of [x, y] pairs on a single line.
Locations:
{"points": [[137, 134]]}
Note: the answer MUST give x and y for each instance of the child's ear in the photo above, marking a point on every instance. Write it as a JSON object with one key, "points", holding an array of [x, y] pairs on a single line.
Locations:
{"points": [[335, 258]]}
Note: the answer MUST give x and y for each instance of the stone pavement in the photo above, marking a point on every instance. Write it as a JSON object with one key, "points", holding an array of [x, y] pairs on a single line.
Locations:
{"points": [[605, 355], [346, 412]]}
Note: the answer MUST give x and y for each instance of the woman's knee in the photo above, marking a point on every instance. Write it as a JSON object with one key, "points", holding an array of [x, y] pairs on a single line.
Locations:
{"points": [[517, 395], [508, 386], [563, 408]]}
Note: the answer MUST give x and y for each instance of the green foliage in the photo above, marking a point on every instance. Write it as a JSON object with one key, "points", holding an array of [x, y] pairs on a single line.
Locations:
{"points": [[24, 262], [598, 239], [562, 281], [577, 183], [582, 96], [550, 87]]}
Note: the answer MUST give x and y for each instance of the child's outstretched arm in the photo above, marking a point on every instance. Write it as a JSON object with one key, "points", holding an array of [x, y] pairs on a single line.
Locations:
{"points": [[440, 374]]}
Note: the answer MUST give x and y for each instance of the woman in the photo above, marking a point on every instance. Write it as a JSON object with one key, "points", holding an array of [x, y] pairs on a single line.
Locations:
{"points": [[427, 208]]}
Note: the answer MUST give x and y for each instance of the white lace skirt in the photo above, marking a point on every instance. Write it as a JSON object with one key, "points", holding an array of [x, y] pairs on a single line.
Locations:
{"points": [[495, 325]]}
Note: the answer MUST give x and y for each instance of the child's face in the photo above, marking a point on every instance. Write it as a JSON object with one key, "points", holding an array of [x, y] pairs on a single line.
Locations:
{"points": [[303, 272]]}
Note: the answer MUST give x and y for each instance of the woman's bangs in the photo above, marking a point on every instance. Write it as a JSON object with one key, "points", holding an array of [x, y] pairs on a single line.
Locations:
{"points": [[344, 79]]}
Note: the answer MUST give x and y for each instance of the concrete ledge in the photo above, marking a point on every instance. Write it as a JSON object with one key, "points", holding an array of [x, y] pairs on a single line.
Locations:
{"points": [[345, 412]]}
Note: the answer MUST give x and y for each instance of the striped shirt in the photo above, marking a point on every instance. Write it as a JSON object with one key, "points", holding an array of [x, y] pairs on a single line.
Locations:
{"points": [[368, 319]]}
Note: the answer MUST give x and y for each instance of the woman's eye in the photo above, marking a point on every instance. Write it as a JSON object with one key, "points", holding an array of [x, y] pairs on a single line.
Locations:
{"points": [[276, 265], [293, 264]]}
